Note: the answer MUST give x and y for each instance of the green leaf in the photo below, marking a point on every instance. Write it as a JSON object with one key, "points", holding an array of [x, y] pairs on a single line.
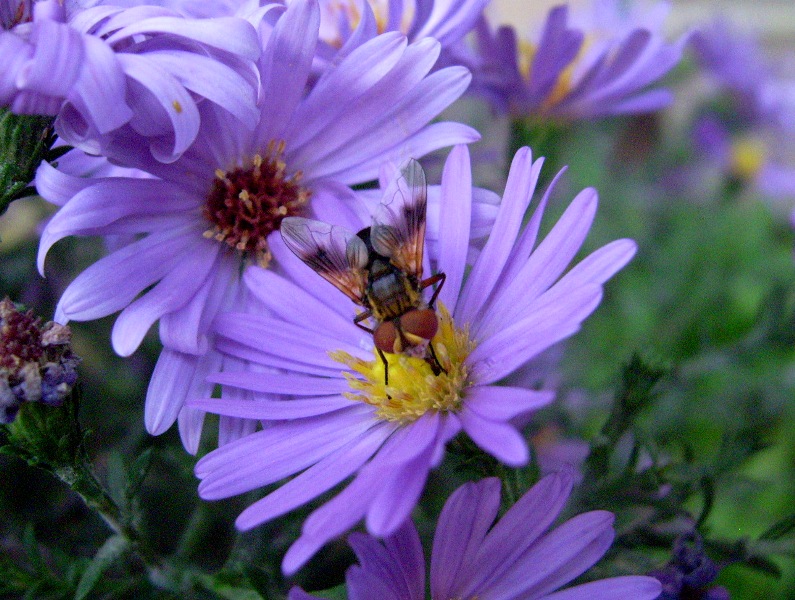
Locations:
{"points": [[785, 527], [113, 548]]}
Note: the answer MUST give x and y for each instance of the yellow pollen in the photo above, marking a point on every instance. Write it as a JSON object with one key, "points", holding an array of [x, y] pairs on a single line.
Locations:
{"points": [[748, 155], [177, 106], [413, 388]]}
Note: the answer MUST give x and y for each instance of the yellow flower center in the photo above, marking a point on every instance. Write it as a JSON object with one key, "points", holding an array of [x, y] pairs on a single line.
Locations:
{"points": [[527, 51], [413, 388], [747, 157]]}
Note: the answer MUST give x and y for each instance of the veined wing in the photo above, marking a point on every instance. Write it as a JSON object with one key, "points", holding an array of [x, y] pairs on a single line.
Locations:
{"points": [[399, 224], [336, 254]]}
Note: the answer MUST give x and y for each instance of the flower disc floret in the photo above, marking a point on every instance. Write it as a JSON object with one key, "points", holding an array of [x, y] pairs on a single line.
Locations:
{"points": [[413, 388], [247, 204]]}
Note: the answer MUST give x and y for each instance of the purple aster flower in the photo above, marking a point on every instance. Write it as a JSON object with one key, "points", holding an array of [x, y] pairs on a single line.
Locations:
{"points": [[445, 20], [329, 412], [583, 65], [475, 555], [198, 220], [143, 70], [751, 140]]}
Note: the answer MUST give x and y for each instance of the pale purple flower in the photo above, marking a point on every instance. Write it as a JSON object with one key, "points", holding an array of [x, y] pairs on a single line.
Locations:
{"points": [[197, 221], [592, 63], [475, 555], [329, 415], [751, 142], [144, 70], [445, 20]]}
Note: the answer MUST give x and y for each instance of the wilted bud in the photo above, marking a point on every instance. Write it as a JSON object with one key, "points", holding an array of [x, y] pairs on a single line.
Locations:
{"points": [[36, 361]]}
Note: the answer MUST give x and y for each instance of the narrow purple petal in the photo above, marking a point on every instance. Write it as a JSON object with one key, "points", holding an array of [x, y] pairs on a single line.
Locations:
{"points": [[272, 410], [172, 292], [317, 479], [518, 529], [283, 383], [190, 422], [519, 188], [174, 102], [501, 403], [558, 557], [277, 452], [545, 264], [285, 66], [56, 62], [113, 282], [498, 439], [551, 319], [614, 588], [455, 217], [465, 519]]}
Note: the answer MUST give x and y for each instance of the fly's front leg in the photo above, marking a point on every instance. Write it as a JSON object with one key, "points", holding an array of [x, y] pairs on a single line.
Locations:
{"points": [[361, 317], [438, 278]]}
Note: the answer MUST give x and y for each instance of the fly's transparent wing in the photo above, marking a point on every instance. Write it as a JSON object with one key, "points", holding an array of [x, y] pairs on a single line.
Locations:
{"points": [[336, 254], [398, 230]]}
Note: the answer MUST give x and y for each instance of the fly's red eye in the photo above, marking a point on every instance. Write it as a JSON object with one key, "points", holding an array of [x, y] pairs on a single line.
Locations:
{"points": [[420, 322], [385, 336]]}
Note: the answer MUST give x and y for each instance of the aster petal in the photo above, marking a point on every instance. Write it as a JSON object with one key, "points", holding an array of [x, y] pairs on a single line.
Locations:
{"points": [[277, 452], [269, 336], [186, 329], [114, 281], [331, 520], [56, 62], [461, 529], [189, 424], [501, 403], [270, 289], [233, 428], [272, 410], [105, 202], [557, 48], [282, 383], [402, 486], [501, 440], [448, 21], [414, 110], [429, 139], [58, 187], [455, 217], [317, 479], [548, 322], [230, 34], [602, 264], [544, 266], [173, 291], [613, 588], [517, 530], [558, 557], [213, 80], [398, 564], [349, 79], [285, 66], [100, 90], [485, 273], [16, 53], [173, 100], [167, 389], [650, 101]]}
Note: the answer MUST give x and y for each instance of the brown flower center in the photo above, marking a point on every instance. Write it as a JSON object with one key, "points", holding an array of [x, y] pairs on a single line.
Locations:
{"points": [[246, 204]]}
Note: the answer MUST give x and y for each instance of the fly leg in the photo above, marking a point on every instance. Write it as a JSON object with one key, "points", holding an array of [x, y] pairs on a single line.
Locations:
{"points": [[358, 322], [438, 278]]}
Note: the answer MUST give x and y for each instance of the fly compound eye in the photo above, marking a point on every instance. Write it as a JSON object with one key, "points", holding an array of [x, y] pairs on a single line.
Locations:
{"points": [[421, 322], [386, 337]]}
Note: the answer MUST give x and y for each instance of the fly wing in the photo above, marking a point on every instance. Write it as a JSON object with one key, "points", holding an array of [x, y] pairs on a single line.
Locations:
{"points": [[336, 254], [398, 230]]}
